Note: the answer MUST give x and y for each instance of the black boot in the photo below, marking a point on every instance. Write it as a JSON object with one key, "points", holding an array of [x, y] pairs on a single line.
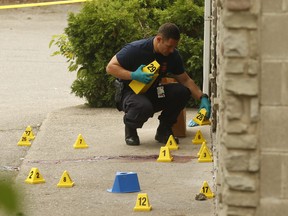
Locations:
{"points": [[163, 133], [131, 136]]}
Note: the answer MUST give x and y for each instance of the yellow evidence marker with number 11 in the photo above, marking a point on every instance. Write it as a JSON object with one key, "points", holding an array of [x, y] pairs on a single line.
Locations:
{"points": [[139, 87]]}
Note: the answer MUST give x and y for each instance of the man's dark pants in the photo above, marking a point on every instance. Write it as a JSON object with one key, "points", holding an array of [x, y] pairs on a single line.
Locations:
{"points": [[139, 108]]}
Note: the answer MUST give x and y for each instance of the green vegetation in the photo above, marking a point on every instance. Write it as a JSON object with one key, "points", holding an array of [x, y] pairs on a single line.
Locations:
{"points": [[103, 27], [9, 203]]}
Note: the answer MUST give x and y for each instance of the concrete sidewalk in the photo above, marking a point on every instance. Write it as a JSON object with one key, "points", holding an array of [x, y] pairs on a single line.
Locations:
{"points": [[171, 186]]}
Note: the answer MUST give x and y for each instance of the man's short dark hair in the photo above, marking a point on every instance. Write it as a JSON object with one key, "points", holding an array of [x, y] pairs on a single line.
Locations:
{"points": [[169, 30]]}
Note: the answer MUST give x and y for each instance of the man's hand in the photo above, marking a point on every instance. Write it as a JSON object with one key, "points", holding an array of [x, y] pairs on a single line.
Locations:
{"points": [[205, 103], [141, 76]]}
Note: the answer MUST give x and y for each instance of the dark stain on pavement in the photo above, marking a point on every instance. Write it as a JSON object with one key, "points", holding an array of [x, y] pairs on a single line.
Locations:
{"points": [[123, 158]]}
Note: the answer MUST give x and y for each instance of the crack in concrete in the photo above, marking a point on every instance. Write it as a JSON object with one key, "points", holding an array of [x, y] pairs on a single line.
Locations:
{"points": [[9, 168]]}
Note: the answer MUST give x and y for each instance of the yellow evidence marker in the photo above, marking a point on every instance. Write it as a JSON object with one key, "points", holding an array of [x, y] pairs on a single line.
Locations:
{"points": [[171, 143], [139, 87], [199, 138], [24, 140], [205, 155], [200, 118], [34, 177], [65, 180], [205, 189], [164, 155], [204, 144], [142, 203], [80, 142], [29, 132]]}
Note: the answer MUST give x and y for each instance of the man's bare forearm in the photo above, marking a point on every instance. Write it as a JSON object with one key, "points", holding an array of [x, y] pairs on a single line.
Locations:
{"points": [[116, 70]]}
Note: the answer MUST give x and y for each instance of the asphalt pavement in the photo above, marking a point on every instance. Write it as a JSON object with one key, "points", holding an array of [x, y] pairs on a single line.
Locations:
{"points": [[170, 186]]}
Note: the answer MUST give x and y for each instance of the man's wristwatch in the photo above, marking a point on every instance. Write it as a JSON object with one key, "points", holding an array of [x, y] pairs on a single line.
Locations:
{"points": [[204, 95]]}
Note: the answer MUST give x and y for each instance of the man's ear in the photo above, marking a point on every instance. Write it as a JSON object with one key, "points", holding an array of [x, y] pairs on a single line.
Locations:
{"points": [[158, 38]]}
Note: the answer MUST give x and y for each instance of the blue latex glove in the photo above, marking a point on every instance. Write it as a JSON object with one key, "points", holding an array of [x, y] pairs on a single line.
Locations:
{"points": [[205, 103], [141, 76]]}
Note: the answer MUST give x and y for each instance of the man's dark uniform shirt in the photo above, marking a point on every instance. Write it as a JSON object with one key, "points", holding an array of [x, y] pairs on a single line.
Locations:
{"points": [[142, 52]]}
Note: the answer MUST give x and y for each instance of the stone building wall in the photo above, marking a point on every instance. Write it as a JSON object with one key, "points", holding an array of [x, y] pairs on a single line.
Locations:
{"points": [[251, 104], [273, 134]]}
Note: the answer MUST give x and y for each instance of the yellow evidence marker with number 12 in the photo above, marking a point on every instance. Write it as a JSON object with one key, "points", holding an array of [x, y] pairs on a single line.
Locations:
{"points": [[142, 203], [139, 87]]}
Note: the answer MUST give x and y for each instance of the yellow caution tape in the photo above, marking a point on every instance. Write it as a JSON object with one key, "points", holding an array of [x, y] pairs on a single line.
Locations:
{"points": [[40, 4]]}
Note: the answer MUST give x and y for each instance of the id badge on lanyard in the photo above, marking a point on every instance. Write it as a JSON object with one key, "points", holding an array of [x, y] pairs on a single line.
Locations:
{"points": [[160, 91]]}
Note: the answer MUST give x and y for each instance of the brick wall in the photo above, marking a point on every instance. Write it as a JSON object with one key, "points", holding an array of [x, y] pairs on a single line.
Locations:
{"points": [[252, 107]]}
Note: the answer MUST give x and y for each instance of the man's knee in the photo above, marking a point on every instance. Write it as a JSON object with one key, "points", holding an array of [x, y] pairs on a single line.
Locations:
{"points": [[138, 112], [182, 91], [178, 92]]}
